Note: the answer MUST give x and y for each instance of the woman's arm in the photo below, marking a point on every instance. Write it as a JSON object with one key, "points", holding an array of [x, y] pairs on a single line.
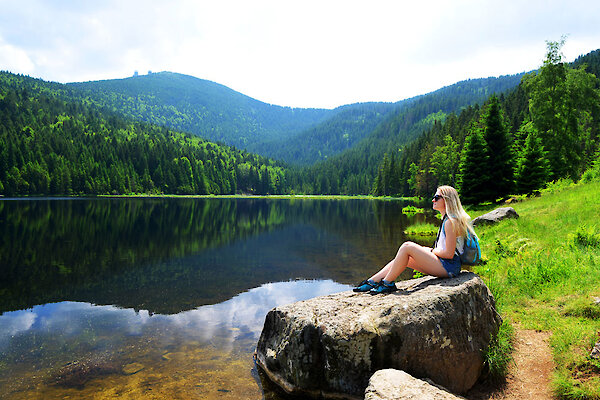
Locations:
{"points": [[450, 241]]}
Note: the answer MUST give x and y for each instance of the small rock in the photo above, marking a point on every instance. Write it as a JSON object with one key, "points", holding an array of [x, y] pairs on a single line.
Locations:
{"points": [[496, 216], [393, 384], [132, 368], [595, 354]]}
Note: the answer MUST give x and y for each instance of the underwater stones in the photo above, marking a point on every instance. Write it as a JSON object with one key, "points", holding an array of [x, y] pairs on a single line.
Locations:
{"points": [[392, 384], [331, 345], [133, 368], [495, 216], [77, 373]]}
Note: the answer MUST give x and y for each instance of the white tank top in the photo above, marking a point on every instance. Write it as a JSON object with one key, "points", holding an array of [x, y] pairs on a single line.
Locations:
{"points": [[441, 243]]}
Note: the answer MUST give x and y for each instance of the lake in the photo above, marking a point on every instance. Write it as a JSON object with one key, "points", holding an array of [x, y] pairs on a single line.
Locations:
{"points": [[166, 297]]}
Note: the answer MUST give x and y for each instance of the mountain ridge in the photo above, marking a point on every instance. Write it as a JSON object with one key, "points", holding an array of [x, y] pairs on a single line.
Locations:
{"points": [[202, 107], [215, 112]]}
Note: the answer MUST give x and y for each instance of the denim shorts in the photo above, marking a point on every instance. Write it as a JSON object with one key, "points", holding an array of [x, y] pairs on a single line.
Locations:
{"points": [[452, 266]]}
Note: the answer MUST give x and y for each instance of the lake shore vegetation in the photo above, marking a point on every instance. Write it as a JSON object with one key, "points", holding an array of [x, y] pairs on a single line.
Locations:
{"points": [[543, 271]]}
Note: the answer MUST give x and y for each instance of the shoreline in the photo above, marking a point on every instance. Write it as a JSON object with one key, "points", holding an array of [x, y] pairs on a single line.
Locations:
{"points": [[214, 196]]}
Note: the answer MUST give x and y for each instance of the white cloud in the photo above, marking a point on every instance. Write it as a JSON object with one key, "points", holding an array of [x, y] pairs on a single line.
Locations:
{"points": [[15, 59], [244, 314], [296, 53]]}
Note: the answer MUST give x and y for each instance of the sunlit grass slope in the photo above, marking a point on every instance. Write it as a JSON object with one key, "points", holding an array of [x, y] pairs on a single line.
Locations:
{"points": [[544, 270]]}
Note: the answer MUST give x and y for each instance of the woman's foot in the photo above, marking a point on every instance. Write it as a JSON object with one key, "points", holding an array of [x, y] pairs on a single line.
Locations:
{"points": [[384, 287], [366, 285]]}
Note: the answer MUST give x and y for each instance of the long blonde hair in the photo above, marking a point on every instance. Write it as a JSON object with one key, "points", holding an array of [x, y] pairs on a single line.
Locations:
{"points": [[455, 211]]}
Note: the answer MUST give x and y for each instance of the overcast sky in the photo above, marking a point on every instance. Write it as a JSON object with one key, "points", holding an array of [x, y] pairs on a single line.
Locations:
{"points": [[293, 53]]}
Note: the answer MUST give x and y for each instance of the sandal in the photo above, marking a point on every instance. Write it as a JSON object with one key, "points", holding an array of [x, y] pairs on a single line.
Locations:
{"points": [[366, 286], [384, 288]]}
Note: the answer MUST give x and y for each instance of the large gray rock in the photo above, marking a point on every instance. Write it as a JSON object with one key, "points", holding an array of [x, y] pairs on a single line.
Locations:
{"points": [[496, 216], [392, 384], [330, 346]]}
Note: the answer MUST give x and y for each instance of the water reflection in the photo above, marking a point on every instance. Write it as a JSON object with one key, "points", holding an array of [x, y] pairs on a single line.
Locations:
{"points": [[73, 331], [165, 255], [166, 298]]}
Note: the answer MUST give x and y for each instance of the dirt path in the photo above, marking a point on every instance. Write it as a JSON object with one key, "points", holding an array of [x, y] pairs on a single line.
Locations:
{"points": [[529, 376]]}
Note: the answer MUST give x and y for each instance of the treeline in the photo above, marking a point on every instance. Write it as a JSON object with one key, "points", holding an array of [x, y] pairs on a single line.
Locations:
{"points": [[354, 171], [546, 129], [49, 146]]}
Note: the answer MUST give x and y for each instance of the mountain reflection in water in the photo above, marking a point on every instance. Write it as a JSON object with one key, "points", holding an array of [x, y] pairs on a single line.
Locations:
{"points": [[226, 329]]}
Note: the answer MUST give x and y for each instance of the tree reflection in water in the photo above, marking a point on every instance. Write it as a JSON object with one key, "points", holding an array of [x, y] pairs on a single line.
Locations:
{"points": [[169, 294]]}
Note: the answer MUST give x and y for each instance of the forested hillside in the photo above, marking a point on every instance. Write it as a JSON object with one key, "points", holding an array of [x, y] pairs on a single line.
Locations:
{"points": [[488, 137], [52, 146], [296, 136], [204, 108], [354, 170], [545, 129], [336, 134]]}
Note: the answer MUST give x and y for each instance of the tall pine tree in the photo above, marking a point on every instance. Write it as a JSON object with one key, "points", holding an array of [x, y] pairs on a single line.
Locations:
{"points": [[500, 161], [561, 102], [533, 168], [474, 182]]}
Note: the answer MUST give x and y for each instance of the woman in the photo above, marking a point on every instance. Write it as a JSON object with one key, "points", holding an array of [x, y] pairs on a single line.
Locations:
{"points": [[440, 261]]}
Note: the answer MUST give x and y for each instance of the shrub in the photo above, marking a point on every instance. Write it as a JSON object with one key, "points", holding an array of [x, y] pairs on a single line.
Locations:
{"points": [[585, 237]]}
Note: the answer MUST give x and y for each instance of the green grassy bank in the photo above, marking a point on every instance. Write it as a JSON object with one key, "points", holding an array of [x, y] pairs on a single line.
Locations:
{"points": [[544, 271]]}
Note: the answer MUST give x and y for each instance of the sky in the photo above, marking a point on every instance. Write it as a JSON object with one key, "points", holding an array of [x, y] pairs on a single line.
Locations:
{"points": [[309, 54]]}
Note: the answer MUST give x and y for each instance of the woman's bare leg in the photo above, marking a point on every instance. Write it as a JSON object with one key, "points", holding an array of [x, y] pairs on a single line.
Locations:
{"points": [[382, 272], [414, 256]]}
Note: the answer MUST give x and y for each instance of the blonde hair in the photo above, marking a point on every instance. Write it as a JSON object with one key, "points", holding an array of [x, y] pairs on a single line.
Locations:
{"points": [[456, 212]]}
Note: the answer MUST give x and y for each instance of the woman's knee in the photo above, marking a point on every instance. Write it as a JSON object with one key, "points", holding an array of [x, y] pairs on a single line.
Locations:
{"points": [[407, 248]]}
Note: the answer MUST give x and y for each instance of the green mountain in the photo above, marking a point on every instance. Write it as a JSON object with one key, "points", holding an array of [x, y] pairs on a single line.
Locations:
{"points": [[54, 143], [342, 131], [547, 129], [354, 170], [118, 136], [297, 136], [204, 108]]}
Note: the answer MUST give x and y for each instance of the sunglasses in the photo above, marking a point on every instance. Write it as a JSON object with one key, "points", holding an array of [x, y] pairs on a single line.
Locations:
{"points": [[437, 197]]}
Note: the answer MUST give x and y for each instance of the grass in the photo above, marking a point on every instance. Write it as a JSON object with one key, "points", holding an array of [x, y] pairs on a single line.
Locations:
{"points": [[421, 229], [412, 210], [544, 271]]}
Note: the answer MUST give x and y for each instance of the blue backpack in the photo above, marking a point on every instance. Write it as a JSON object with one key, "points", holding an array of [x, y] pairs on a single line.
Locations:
{"points": [[471, 254]]}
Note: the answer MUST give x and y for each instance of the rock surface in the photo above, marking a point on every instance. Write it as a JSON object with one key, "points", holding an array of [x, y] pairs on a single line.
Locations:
{"points": [[596, 351], [496, 216], [330, 346], [392, 384]]}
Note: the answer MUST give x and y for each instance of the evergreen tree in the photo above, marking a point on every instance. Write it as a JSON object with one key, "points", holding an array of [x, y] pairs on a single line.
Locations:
{"points": [[380, 186], [500, 159], [474, 182], [562, 100], [532, 165]]}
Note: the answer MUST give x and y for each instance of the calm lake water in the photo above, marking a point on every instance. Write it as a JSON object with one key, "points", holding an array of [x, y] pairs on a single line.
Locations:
{"points": [[166, 298]]}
